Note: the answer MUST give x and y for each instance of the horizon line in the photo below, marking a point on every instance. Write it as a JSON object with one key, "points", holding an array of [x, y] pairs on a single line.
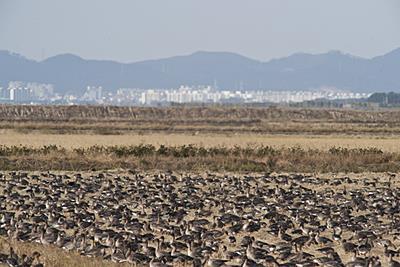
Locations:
{"points": [[332, 51]]}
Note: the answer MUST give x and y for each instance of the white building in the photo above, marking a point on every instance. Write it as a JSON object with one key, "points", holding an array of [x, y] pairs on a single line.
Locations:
{"points": [[4, 94], [93, 94]]}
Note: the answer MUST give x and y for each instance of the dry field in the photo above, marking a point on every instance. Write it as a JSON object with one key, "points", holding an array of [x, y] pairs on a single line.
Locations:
{"points": [[80, 126], [385, 143], [197, 120], [300, 139], [217, 176]]}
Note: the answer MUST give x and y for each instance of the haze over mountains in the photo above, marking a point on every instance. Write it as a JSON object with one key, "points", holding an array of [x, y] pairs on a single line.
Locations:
{"points": [[70, 73]]}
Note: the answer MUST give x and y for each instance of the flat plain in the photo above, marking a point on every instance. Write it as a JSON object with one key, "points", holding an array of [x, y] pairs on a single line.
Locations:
{"points": [[212, 186], [77, 126]]}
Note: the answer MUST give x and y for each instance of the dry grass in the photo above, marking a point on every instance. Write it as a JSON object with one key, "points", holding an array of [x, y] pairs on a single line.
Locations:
{"points": [[224, 113], [388, 144], [104, 127], [199, 158], [55, 257], [217, 120]]}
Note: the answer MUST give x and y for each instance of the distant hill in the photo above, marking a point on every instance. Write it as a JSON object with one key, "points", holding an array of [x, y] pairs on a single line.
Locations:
{"points": [[385, 99], [70, 73]]}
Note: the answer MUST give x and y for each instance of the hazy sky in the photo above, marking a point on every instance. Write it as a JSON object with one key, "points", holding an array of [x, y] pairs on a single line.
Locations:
{"points": [[132, 30]]}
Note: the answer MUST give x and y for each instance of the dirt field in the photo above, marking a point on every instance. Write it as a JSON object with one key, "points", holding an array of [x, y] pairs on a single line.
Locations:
{"points": [[387, 144], [84, 126]]}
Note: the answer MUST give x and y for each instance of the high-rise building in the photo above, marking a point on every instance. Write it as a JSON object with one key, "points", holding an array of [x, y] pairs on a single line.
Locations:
{"points": [[20, 94], [4, 95], [93, 94]]}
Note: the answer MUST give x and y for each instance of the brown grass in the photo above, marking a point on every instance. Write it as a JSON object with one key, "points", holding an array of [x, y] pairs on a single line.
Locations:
{"points": [[198, 158], [388, 144], [207, 127], [53, 256], [217, 120]]}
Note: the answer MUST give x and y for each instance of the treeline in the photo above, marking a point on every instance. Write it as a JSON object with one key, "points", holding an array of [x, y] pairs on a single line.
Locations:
{"points": [[385, 99]]}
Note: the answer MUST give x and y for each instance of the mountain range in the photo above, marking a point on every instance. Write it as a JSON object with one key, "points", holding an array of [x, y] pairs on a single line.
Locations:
{"points": [[301, 71]]}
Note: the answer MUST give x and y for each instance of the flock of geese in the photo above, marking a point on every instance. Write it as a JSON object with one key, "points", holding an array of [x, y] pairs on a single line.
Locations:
{"points": [[169, 219], [12, 259]]}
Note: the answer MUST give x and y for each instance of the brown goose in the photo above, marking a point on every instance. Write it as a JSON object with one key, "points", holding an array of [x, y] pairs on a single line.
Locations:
{"points": [[255, 254], [393, 263], [156, 263], [209, 262]]}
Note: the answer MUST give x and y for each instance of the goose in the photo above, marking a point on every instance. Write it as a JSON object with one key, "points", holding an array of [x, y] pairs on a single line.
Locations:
{"points": [[193, 251], [386, 243], [69, 244], [322, 260], [232, 255], [28, 260], [365, 248], [179, 257], [336, 236], [117, 255], [393, 263], [250, 263], [389, 252], [155, 263], [282, 235], [322, 240], [326, 250], [356, 264], [255, 254], [3, 258], [209, 262], [46, 239], [299, 242], [349, 247], [137, 258], [374, 262], [232, 239], [12, 262]]}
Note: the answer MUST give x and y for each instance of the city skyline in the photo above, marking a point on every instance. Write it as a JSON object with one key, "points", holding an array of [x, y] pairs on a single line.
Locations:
{"points": [[36, 93]]}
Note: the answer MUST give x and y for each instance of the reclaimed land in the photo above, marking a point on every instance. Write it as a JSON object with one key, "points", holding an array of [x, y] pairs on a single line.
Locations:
{"points": [[197, 120]]}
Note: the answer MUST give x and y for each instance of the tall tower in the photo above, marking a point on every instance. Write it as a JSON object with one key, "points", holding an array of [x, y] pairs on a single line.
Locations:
{"points": [[215, 84]]}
